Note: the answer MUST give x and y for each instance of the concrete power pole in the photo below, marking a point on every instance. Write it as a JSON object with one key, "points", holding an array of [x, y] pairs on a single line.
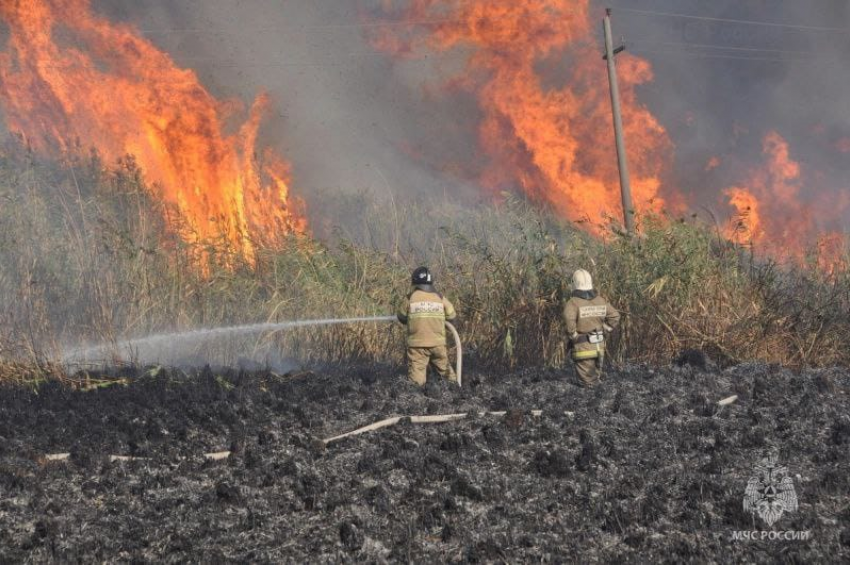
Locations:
{"points": [[622, 161]]}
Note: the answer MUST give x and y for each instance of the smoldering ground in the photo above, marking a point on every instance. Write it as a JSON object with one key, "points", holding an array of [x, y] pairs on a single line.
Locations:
{"points": [[647, 466]]}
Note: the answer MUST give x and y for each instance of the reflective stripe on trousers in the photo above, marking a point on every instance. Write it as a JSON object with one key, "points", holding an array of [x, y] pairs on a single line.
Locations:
{"points": [[579, 355]]}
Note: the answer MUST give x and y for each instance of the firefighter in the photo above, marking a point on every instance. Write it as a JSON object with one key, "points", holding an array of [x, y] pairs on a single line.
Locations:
{"points": [[425, 311], [588, 317]]}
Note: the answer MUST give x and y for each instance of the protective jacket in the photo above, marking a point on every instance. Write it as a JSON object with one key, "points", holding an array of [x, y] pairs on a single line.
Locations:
{"points": [[586, 314], [425, 312]]}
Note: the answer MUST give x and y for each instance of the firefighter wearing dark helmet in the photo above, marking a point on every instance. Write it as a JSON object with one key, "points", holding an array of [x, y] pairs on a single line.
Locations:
{"points": [[424, 311], [588, 316]]}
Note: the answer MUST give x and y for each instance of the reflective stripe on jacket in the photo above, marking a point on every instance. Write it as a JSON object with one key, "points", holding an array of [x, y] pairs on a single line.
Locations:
{"points": [[584, 313], [425, 314]]}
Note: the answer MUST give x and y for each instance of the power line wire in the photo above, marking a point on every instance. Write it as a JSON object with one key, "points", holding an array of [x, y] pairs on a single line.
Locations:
{"points": [[719, 47], [736, 21], [696, 55]]}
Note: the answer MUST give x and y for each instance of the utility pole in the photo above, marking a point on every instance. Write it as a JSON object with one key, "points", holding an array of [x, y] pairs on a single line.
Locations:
{"points": [[622, 161]]}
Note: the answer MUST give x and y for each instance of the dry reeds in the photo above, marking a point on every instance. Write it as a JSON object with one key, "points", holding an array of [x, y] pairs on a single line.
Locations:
{"points": [[86, 254]]}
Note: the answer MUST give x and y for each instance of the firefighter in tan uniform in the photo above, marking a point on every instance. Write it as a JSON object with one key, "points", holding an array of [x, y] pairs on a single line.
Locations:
{"points": [[588, 316], [425, 312]]}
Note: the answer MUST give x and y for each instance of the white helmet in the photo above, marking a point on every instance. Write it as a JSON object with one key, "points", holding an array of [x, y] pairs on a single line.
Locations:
{"points": [[582, 280]]}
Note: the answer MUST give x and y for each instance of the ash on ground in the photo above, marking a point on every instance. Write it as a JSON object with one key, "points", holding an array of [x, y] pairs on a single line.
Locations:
{"points": [[646, 467]]}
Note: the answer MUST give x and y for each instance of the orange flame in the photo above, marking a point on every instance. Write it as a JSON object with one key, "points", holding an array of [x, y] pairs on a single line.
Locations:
{"points": [[69, 75], [555, 143], [773, 216], [832, 253], [747, 227]]}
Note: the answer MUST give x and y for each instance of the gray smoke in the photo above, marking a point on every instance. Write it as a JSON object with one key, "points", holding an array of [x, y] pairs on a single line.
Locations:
{"points": [[346, 116], [721, 102], [351, 119]]}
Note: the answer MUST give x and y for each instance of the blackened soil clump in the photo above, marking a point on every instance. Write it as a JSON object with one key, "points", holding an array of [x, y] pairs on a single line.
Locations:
{"points": [[647, 467]]}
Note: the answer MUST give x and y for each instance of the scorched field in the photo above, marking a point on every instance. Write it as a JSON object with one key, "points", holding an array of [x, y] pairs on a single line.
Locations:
{"points": [[647, 467]]}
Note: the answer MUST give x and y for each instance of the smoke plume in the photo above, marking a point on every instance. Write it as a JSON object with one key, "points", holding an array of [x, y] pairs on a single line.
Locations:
{"points": [[350, 117]]}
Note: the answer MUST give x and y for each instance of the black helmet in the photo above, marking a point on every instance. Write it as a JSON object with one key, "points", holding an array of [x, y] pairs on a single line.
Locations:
{"points": [[422, 276]]}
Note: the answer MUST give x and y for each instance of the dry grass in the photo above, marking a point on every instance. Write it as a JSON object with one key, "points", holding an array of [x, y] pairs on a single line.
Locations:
{"points": [[86, 254]]}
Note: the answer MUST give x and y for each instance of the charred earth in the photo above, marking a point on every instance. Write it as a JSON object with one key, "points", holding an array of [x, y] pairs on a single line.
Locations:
{"points": [[646, 466]]}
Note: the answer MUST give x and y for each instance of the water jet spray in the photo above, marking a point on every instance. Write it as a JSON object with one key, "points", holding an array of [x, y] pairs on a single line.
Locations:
{"points": [[97, 354]]}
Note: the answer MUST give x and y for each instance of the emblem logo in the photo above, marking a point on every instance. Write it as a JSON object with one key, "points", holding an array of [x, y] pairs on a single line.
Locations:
{"points": [[770, 492]]}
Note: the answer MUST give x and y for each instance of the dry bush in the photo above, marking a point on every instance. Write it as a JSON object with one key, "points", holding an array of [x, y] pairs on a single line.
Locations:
{"points": [[86, 255]]}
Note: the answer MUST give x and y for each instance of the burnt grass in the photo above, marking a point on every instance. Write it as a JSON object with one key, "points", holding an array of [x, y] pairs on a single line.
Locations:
{"points": [[648, 467]]}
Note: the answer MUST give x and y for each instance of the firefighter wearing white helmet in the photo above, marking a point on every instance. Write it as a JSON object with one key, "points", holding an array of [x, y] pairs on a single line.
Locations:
{"points": [[588, 317], [424, 311]]}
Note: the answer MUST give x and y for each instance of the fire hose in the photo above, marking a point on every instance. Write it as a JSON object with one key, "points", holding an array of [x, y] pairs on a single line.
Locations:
{"points": [[458, 346], [455, 336], [459, 361]]}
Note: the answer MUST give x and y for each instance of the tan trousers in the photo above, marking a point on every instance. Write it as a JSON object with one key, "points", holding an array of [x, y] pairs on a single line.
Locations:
{"points": [[589, 371], [418, 359]]}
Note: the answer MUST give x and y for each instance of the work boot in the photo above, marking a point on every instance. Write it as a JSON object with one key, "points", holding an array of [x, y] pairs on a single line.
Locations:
{"points": [[433, 389]]}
